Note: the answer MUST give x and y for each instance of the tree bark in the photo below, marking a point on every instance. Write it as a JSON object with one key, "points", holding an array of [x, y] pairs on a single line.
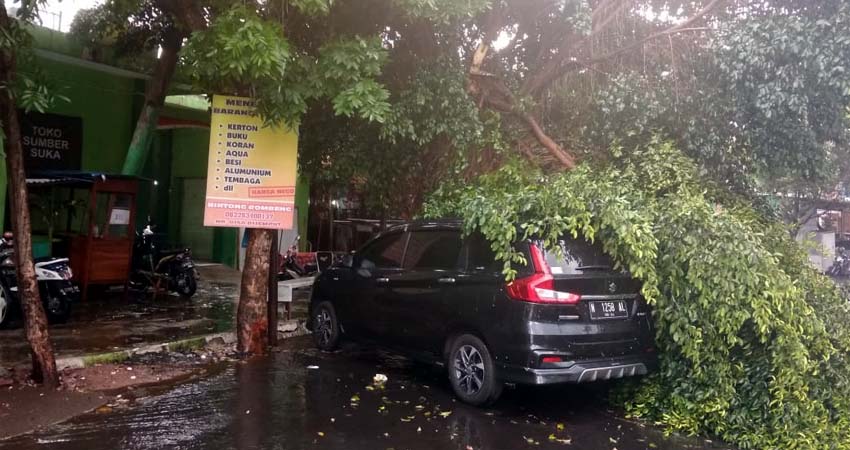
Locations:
{"points": [[252, 322], [137, 153], [35, 320], [188, 13]]}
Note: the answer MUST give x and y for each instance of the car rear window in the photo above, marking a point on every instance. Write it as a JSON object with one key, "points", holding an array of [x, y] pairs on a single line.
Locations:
{"points": [[579, 257]]}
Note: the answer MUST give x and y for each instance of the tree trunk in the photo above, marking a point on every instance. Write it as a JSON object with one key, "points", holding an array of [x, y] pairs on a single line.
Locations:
{"points": [[140, 145], [35, 320], [252, 316]]}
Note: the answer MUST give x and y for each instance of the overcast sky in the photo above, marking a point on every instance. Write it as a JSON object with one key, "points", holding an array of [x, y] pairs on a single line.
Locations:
{"points": [[59, 14]]}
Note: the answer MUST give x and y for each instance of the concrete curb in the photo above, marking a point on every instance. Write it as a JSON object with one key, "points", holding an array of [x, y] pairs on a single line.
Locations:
{"points": [[79, 362], [194, 343]]}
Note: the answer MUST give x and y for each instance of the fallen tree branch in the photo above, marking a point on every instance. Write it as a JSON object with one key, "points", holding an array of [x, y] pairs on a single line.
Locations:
{"points": [[554, 149]]}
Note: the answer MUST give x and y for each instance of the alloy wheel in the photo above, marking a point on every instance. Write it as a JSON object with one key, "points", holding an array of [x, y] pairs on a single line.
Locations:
{"points": [[324, 326], [469, 369]]}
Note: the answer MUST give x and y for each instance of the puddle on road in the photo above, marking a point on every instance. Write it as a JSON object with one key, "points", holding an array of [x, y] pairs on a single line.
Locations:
{"points": [[278, 402]]}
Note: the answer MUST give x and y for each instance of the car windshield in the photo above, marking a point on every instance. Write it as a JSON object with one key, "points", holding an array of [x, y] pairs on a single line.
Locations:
{"points": [[578, 257]]}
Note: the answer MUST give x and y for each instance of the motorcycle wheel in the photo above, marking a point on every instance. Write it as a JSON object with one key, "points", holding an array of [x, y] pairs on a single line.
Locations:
{"points": [[4, 309], [186, 284], [138, 282], [58, 308]]}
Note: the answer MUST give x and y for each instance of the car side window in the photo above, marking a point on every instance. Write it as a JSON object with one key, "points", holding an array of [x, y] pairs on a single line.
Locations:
{"points": [[479, 255], [386, 252], [433, 250]]}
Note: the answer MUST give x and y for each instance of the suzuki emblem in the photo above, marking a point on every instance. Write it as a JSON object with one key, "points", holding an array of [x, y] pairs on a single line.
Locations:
{"points": [[612, 288]]}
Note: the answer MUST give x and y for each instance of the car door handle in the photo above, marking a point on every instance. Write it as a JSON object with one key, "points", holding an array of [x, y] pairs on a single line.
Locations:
{"points": [[382, 280], [446, 280]]}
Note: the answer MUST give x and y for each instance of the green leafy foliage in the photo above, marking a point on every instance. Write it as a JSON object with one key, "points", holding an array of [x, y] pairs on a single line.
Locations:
{"points": [[759, 99], [32, 89], [244, 53], [791, 78], [753, 343], [436, 105], [313, 7], [347, 69], [443, 11], [238, 48]]}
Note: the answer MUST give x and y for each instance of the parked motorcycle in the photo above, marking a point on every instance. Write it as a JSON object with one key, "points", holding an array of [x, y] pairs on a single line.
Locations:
{"points": [[171, 270], [290, 269], [841, 266], [55, 287]]}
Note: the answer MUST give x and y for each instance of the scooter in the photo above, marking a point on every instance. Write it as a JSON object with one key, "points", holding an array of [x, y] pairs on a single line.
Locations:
{"points": [[172, 270], [289, 267], [55, 287], [841, 266]]}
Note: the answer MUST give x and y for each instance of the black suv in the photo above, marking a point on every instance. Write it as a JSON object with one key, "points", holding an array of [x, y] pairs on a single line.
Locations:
{"points": [[423, 289]]}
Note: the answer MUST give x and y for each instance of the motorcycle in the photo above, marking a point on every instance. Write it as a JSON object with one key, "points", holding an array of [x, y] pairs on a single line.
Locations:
{"points": [[172, 270], [55, 287], [841, 266], [289, 267]]}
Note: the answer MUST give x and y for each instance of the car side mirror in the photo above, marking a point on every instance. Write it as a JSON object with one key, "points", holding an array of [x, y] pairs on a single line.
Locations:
{"points": [[347, 261]]}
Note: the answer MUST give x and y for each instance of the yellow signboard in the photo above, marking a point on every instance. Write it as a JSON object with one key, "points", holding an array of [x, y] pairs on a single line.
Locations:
{"points": [[252, 169]]}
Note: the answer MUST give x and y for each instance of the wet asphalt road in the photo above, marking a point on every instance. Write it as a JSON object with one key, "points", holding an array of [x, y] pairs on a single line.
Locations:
{"points": [[303, 399]]}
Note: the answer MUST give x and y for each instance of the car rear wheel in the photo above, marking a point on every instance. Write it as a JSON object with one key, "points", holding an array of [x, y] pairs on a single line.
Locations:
{"points": [[471, 371], [326, 329]]}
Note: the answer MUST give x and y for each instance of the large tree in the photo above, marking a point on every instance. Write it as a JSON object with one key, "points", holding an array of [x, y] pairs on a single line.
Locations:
{"points": [[27, 92], [659, 128]]}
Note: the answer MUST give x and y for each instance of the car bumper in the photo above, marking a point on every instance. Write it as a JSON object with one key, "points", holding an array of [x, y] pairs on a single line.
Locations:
{"points": [[579, 371]]}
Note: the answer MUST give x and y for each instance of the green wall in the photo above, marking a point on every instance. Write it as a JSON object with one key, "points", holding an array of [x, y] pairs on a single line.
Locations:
{"points": [[105, 103]]}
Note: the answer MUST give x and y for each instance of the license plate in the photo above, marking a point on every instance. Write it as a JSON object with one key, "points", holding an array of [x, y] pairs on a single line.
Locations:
{"points": [[608, 310]]}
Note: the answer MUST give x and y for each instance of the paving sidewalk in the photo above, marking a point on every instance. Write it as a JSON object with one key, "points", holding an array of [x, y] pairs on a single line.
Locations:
{"points": [[112, 323]]}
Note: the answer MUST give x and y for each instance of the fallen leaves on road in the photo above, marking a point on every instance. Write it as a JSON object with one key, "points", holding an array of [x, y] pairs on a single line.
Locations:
{"points": [[564, 441]]}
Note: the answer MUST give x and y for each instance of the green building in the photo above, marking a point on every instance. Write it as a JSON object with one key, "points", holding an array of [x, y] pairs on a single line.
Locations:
{"points": [[100, 116]]}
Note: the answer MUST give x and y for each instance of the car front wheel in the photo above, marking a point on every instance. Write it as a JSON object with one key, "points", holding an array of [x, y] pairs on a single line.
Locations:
{"points": [[471, 371], [326, 329]]}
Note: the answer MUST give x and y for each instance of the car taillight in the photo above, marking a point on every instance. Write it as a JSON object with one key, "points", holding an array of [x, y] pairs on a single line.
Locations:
{"points": [[539, 287], [551, 360]]}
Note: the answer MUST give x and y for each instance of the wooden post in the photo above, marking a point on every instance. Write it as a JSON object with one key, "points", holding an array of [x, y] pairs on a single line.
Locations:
{"points": [[274, 267]]}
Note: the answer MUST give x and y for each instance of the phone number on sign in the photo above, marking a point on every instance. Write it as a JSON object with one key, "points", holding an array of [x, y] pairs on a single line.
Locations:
{"points": [[248, 215]]}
